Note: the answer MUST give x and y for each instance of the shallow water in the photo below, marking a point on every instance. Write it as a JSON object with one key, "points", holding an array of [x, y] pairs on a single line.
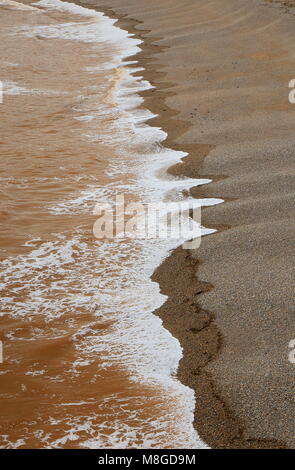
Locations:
{"points": [[86, 363]]}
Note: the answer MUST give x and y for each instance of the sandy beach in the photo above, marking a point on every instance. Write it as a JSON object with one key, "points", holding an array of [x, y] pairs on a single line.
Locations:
{"points": [[222, 70]]}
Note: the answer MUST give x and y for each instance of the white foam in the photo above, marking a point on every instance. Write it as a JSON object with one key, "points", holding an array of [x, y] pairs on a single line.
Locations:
{"points": [[98, 29], [4, 63], [35, 372], [12, 88], [71, 8], [12, 445]]}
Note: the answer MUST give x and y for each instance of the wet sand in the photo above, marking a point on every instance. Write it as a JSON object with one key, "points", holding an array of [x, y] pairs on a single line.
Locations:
{"points": [[222, 70]]}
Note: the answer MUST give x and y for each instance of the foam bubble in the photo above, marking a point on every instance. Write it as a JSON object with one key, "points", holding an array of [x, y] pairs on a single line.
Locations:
{"points": [[13, 88]]}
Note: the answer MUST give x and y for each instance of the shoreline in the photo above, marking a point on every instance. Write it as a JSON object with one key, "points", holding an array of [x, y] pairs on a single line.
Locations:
{"points": [[179, 257], [216, 419], [158, 410]]}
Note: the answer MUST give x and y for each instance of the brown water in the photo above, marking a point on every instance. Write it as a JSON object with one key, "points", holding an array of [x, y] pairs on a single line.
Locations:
{"points": [[85, 361]]}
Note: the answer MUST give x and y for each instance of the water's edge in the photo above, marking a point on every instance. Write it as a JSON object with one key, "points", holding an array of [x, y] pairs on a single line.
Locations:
{"points": [[214, 421], [150, 101]]}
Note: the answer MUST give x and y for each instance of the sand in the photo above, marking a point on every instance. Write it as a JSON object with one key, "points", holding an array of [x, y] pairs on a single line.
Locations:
{"points": [[221, 70]]}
